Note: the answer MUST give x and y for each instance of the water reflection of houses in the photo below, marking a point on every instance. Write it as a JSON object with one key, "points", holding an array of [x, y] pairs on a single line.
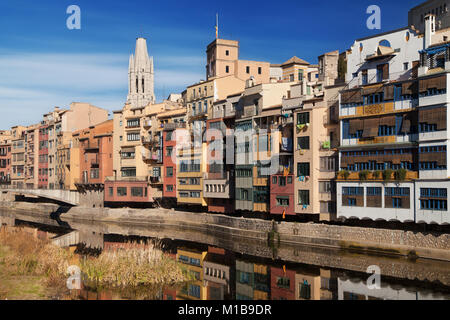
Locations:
{"points": [[357, 289], [193, 260], [302, 284], [244, 280], [218, 274]]}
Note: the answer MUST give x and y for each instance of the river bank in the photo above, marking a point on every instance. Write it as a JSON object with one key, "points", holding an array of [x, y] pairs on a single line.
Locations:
{"points": [[367, 240], [34, 268]]}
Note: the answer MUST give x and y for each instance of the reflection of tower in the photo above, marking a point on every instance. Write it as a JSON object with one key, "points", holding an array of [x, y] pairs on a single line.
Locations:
{"points": [[140, 76]]}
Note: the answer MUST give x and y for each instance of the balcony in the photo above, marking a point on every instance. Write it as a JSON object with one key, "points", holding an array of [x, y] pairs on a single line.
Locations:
{"points": [[151, 140], [151, 157], [155, 180], [174, 125], [354, 176], [95, 162], [147, 124], [127, 179], [217, 185], [90, 145]]}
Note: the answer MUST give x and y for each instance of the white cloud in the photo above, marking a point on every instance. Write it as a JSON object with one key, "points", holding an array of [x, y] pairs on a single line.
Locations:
{"points": [[33, 83]]}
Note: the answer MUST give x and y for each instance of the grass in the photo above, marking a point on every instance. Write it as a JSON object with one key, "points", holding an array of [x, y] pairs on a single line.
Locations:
{"points": [[31, 268], [142, 265]]}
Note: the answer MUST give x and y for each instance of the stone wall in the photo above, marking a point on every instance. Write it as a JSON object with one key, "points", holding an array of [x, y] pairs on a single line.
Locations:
{"points": [[391, 242]]}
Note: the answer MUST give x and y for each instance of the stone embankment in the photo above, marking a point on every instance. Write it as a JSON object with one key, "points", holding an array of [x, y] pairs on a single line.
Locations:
{"points": [[369, 240]]}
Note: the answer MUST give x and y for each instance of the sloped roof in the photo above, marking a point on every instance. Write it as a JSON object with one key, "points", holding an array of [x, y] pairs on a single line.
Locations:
{"points": [[295, 60]]}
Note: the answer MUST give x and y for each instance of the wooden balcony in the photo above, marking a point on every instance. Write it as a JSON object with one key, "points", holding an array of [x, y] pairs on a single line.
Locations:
{"points": [[354, 176]]}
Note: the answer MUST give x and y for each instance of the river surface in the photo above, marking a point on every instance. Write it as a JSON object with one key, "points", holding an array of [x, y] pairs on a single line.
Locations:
{"points": [[233, 269]]}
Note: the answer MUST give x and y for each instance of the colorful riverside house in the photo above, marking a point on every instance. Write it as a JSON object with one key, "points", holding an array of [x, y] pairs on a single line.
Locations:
{"points": [[43, 156], [171, 121], [394, 123], [312, 113], [138, 154], [193, 260], [5, 157], [32, 156], [18, 156], [91, 158], [431, 189], [258, 116], [218, 184]]}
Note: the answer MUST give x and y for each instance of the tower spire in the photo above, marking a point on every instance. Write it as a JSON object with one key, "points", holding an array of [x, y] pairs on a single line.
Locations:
{"points": [[141, 76]]}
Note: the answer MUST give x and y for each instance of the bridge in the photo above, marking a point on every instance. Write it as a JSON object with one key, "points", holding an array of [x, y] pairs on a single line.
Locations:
{"points": [[66, 196]]}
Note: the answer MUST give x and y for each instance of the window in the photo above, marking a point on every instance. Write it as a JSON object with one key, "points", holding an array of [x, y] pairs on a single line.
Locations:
{"points": [[303, 197], [303, 118], [259, 70], [283, 282], [169, 151], [137, 192], [326, 187], [303, 169], [227, 52], [405, 66], [128, 172], [227, 69], [365, 79], [133, 123], [352, 191], [327, 164], [95, 174], [128, 155], [302, 143], [283, 201], [433, 199], [247, 69], [373, 191], [121, 191], [282, 181], [300, 75], [169, 172], [169, 188], [398, 192], [133, 136], [194, 291], [169, 135]]}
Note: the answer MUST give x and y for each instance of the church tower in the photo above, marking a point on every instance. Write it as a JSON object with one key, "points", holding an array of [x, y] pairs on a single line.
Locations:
{"points": [[141, 76]]}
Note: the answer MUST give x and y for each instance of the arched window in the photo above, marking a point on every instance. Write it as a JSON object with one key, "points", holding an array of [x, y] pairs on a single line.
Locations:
{"points": [[137, 85], [385, 43], [143, 88]]}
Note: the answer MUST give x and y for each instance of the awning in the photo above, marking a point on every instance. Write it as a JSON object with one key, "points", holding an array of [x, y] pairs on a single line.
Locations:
{"points": [[127, 149]]}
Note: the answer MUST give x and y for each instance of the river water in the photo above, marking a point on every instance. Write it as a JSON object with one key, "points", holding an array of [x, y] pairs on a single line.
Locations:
{"points": [[237, 269]]}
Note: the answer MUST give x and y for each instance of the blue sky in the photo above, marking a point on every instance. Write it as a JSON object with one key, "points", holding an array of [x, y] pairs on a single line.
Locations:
{"points": [[43, 64]]}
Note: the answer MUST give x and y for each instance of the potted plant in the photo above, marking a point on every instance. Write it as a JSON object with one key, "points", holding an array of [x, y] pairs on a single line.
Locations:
{"points": [[387, 174], [363, 175], [376, 175], [400, 174], [344, 174]]}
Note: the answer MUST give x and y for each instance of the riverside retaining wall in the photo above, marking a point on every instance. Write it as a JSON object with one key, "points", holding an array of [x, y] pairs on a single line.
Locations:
{"points": [[391, 242]]}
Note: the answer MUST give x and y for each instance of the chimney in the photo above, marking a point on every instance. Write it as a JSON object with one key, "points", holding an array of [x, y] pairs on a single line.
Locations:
{"points": [[430, 29]]}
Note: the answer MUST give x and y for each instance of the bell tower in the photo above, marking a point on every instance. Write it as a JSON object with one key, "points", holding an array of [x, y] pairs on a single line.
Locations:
{"points": [[140, 76]]}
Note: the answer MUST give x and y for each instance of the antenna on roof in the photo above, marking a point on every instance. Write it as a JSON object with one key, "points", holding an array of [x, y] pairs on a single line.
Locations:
{"points": [[217, 26]]}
